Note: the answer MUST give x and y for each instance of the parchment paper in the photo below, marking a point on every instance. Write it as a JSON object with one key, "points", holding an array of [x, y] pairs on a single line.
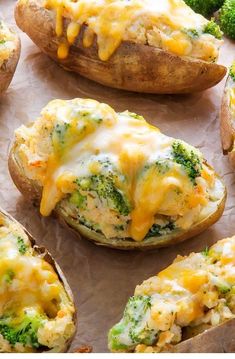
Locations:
{"points": [[103, 279]]}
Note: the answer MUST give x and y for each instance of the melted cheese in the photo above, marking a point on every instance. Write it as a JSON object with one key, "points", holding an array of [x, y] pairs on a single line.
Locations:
{"points": [[113, 21], [7, 39], [232, 101], [95, 131], [28, 282]]}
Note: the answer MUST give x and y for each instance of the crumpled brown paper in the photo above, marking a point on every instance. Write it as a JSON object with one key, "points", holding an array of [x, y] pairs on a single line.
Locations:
{"points": [[103, 279]]}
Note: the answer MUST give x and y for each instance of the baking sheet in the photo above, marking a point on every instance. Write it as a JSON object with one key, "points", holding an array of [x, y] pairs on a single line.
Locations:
{"points": [[103, 279]]}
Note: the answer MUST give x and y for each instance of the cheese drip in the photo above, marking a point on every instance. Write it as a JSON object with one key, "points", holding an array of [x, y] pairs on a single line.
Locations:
{"points": [[72, 139], [159, 23]]}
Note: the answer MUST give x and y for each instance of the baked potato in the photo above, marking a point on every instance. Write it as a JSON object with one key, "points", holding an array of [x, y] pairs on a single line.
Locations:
{"points": [[9, 55], [227, 116], [114, 178], [37, 312], [187, 307], [150, 46]]}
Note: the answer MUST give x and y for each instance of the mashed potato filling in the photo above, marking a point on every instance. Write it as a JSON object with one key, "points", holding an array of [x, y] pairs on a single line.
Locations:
{"points": [[166, 24], [6, 42], [191, 295], [35, 311], [115, 173]]}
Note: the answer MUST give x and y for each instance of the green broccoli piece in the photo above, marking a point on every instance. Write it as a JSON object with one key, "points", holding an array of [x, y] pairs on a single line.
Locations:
{"points": [[9, 276], [2, 42], [232, 72], [213, 29], [224, 289], [23, 331], [188, 159], [21, 245], [133, 326], [205, 7], [78, 199], [157, 230], [206, 251], [105, 188], [227, 18]]}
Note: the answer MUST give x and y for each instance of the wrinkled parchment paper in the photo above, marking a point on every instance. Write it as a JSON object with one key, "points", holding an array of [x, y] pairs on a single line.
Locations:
{"points": [[103, 279]]}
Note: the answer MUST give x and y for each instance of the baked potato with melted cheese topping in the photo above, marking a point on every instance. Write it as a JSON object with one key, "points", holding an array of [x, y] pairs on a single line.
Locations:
{"points": [[187, 307], [114, 178], [9, 55], [227, 117], [138, 45], [37, 312]]}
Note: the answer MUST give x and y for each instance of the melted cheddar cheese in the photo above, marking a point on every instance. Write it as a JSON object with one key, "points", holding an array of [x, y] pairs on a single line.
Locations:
{"points": [[7, 39], [30, 286], [231, 90], [192, 294], [113, 171], [166, 24]]}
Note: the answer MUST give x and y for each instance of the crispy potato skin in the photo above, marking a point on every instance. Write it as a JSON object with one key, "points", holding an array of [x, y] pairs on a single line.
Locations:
{"points": [[219, 339], [31, 190], [227, 130], [7, 70], [133, 67], [43, 252]]}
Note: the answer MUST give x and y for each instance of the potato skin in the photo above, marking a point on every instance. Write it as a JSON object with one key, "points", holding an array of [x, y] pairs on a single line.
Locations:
{"points": [[219, 339], [7, 69], [31, 190], [43, 253], [133, 67], [227, 130]]}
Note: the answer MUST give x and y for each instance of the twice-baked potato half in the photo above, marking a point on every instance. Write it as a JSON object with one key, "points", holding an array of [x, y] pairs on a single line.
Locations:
{"points": [[187, 307], [227, 117], [145, 46], [9, 55], [114, 178], [37, 312]]}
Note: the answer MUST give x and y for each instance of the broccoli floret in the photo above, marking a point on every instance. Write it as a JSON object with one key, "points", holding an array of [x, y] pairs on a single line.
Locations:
{"points": [[78, 199], [224, 289], [213, 29], [206, 251], [105, 188], [188, 159], [22, 331], [227, 18], [133, 326], [157, 230], [205, 7], [232, 72], [21, 245]]}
